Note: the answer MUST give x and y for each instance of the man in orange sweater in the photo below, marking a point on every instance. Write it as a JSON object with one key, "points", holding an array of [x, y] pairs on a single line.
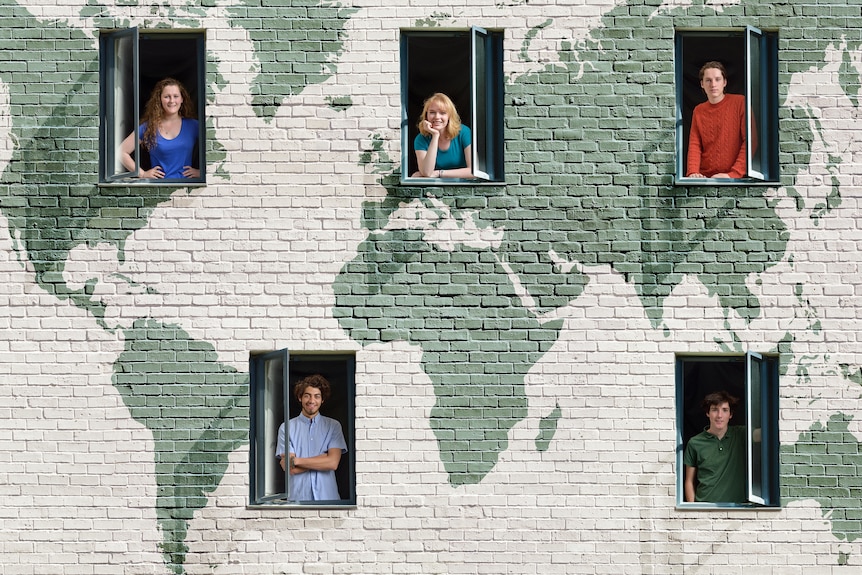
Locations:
{"points": [[716, 146]]}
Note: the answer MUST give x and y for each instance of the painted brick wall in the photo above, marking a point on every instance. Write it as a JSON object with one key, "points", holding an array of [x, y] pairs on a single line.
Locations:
{"points": [[515, 344]]}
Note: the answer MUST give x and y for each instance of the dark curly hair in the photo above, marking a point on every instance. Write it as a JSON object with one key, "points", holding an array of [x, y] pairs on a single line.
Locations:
{"points": [[315, 380], [153, 111]]}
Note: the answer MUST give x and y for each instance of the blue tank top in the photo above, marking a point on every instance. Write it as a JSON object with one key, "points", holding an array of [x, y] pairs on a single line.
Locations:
{"points": [[173, 155]]}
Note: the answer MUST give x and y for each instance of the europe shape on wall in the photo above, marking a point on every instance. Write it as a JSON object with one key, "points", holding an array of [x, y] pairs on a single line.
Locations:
{"points": [[47, 223]]}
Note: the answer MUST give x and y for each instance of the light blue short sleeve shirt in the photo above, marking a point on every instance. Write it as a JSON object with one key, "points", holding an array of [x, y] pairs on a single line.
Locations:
{"points": [[308, 438]]}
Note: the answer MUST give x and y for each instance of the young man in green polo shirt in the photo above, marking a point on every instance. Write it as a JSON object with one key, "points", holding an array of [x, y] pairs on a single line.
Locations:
{"points": [[715, 458]]}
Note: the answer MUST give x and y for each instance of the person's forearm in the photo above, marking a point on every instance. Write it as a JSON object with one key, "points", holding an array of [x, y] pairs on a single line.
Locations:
{"points": [[323, 462], [127, 161], [427, 166], [457, 173], [127, 146], [688, 484], [739, 166]]}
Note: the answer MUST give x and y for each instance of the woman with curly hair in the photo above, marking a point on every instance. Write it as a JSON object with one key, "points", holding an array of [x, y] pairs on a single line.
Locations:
{"points": [[168, 131]]}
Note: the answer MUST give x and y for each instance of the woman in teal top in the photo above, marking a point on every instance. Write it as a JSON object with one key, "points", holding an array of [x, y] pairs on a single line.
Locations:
{"points": [[443, 144]]}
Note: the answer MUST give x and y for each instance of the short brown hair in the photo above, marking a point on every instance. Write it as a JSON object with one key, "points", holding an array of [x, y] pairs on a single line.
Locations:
{"points": [[315, 380], [717, 398], [713, 64]]}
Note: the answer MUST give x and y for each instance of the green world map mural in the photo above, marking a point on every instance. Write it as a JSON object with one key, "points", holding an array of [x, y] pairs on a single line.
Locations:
{"points": [[581, 199]]}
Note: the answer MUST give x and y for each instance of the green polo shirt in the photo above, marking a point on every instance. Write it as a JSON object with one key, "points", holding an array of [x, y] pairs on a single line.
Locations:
{"points": [[720, 465]]}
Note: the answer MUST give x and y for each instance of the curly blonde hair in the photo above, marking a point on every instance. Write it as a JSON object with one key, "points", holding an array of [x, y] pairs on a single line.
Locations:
{"points": [[453, 128], [153, 112]]}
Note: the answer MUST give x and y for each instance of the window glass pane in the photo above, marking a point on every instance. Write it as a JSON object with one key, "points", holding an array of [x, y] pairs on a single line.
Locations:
{"points": [[120, 96], [755, 111], [480, 103], [267, 374], [754, 421], [273, 416], [124, 94]]}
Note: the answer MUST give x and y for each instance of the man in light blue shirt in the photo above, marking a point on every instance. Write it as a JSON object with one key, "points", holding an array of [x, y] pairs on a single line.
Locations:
{"points": [[315, 445]]}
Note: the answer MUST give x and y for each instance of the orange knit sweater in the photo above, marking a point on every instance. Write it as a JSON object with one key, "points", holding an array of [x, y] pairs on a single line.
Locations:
{"points": [[717, 140]]}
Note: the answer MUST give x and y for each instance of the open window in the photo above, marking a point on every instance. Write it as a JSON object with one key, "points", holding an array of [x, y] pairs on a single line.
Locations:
{"points": [[753, 379], [132, 61], [751, 59], [467, 66], [272, 377]]}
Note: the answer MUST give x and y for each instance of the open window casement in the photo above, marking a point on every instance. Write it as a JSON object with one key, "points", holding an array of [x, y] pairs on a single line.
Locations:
{"points": [[270, 402], [761, 120], [120, 107], [487, 106], [751, 59], [272, 376], [467, 66], [131, 63]]}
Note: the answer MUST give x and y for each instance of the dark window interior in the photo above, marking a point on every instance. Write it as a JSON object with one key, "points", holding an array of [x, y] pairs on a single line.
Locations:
{"points": [[336, 407], [162, 56], [436, 63], [700, 378], [697, 50]]}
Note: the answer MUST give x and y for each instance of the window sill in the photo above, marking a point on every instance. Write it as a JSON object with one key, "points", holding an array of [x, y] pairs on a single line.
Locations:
{"points": [[163, 183], [448, 182], [282, 505], [703, 506], [724, 182]]}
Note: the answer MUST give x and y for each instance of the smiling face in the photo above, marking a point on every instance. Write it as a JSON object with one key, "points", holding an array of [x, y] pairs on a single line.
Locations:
{"points": [[172, 99], [437, 114], [311, 400], [719, 418], [713, 83]]}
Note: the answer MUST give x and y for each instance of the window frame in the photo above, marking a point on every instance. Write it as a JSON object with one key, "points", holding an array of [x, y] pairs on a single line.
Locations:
{"points": [[486, 93], [761, 395], [264, 421], [118, 94], [760, 88]]}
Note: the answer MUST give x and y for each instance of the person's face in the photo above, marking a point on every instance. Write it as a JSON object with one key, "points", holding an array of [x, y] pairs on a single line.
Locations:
{"points": [[719, 417], [172, 99], [437, 115], [713, 84], [311, 401]]}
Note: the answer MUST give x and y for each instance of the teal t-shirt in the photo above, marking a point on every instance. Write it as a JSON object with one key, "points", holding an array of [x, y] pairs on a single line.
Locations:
{"points": [[720, 465], [453, 157]]}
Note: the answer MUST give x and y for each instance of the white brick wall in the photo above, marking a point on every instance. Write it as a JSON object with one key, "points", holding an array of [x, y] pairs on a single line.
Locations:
{"points": [[247, 263]]}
